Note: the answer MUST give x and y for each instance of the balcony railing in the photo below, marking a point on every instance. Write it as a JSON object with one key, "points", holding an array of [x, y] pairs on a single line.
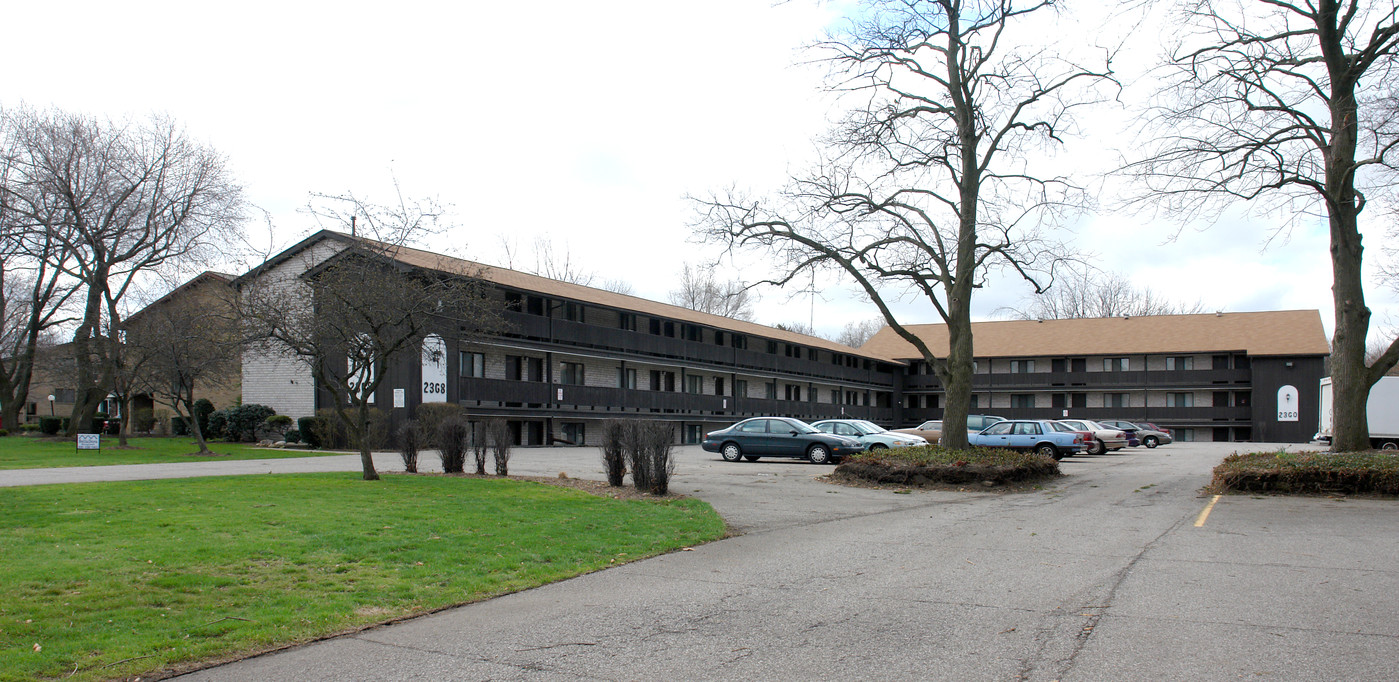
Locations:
{"points": [[1093, 380], [548, 330]]}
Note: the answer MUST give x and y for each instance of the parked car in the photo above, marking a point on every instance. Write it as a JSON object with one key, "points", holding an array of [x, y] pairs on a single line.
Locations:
{"points": [[1146, 435], [874, 436], [779, 437], [979, 422], [1105, 438], [930, 431], [1039, 435]]}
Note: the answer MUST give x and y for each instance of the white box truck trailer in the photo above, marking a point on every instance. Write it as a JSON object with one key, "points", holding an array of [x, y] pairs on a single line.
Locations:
{"points": [[1382, 411]]}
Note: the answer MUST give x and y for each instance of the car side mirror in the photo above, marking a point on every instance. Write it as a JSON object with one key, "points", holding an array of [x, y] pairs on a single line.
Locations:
{"points": [[794, 432]]}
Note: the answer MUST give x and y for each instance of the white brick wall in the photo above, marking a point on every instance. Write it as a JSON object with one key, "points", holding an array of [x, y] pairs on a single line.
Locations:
{"points": [[279, 380]]}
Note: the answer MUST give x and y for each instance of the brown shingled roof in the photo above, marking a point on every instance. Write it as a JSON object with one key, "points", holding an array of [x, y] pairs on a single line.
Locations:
{"points": [[1282, 332], [577, 292]]}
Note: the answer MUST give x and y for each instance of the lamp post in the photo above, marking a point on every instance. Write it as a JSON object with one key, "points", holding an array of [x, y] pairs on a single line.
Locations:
{"points": [[50, 404]]}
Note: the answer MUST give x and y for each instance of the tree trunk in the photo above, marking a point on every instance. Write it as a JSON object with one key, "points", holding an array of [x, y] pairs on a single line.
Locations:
{"points": [[1350, 383], [366, 458]]}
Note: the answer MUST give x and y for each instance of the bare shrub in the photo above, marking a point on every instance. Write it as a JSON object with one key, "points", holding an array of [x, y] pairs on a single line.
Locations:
{"points": [[498, 433], [430, 417], [650, 453], [408, 442], [480, 446], [452, 435], [614, 454]]}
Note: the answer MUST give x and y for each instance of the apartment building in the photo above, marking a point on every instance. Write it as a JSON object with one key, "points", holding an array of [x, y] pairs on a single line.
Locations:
{"points": [[1209, 377], [573, 356]]}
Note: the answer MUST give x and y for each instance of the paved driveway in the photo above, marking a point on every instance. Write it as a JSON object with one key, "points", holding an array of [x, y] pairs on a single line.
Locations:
{"points": [[1115, 572]]}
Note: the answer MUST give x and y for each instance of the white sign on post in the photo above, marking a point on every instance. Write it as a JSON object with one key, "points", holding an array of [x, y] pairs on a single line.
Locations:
{"points": [[90, 441], [398, 398]]}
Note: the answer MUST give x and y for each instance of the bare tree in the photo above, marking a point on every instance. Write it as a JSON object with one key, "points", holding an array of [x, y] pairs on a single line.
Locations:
{"points": [[856, 333], [33, 295], [1281, 104], [118, 199], [186, 341], [1083, 293], [927, 186], [699, 290], [367, 308]]}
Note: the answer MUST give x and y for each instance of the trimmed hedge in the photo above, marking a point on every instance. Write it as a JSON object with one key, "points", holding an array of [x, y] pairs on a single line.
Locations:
{"points": [[933, 465], [1314, 473]]}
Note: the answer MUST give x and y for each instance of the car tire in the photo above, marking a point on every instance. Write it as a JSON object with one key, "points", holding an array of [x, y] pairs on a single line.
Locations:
{"points": [[1098, 447], [818, 454], [878, 446], [1048, 450], [1150, 441], [731, 452]]}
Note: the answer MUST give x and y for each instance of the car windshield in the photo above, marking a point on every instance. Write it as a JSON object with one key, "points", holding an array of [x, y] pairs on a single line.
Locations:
{"points": [[800, 427], [931, 426], [1062, 427], [866, 428]]}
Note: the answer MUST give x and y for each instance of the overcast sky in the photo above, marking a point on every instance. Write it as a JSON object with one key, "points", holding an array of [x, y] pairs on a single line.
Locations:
{"points": [[585, 124]]}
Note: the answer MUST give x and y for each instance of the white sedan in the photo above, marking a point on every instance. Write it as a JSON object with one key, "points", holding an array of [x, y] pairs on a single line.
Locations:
{"points": [[1105, 438], [871, 434]]}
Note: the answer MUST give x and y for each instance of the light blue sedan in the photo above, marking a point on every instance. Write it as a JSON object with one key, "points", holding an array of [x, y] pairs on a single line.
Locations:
{"points": [[1042, 436], [871, 434]]}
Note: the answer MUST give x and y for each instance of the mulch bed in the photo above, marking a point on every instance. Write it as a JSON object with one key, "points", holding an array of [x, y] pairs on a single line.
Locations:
{"points": [[945, 476]]}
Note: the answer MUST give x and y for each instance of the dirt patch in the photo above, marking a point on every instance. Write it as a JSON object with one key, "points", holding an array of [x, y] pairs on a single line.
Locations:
{"points": [[599, 488]]}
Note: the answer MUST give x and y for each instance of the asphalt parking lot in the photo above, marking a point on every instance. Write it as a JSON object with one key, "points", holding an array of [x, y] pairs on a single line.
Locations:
{"points": [[1116, 571]]}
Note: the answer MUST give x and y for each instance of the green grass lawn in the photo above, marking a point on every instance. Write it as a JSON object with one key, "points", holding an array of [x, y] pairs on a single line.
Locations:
{"points": [[111, 580], [31, 452]]}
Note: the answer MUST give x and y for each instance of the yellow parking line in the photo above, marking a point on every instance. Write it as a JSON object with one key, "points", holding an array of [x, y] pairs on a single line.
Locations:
{"points": [[1200, 521]]}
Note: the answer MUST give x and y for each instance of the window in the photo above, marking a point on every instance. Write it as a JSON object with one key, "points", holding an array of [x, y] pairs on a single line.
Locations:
{"points": [[1180, 400], [1078, 365], [772, 348], [514, 301], [1114, 364], [471, 364], [976, 402], [1022, 400], [1000, 428], [1185, 435], [573, 312], [1078, 400], [1027, 429], [626, 378], [572, 433], [794, 392], [694, 384], [571, 373], [718, 338], [534, 305], [741, 388], [654, 326], [718, 385], [811, 354], [1117, 400], [519, 368], [1022, 366], [662, 381], [669, 329], [694, 433], [692, 332], [771, 392], [739, 341], [1243, 398], [1180, 363], [626, 321]]}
